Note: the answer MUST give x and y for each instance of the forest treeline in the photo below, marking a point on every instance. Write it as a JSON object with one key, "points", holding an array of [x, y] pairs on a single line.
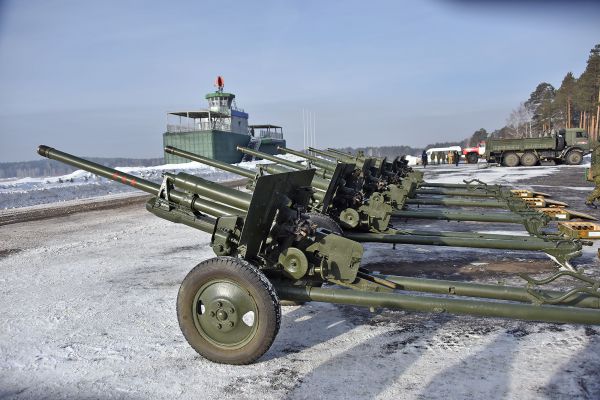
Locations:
{"points": [[39, 168], [574, 104]]}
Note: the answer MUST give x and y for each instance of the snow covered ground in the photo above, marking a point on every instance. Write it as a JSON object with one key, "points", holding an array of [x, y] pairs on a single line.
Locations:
{"points": [[87, 307], [495, 175]]}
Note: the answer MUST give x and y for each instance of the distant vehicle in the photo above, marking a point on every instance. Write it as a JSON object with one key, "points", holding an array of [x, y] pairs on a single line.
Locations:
{"points": [[568, 146], [472, 154], [442, 150]]}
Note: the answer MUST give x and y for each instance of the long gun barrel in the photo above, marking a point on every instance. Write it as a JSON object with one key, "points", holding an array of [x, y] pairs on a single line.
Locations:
{"points": [[184, 199], [294, 165], [328, 154], [317, 182], [209, 161], [316, 161], [341, 153], [100, 170], [349, 158], [357, 157], [265, 156]]}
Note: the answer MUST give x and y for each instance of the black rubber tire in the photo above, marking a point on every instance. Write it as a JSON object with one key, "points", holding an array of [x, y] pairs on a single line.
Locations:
{"points": [[511, 159], [259, 288], [529, 159], [472, 158], [325, 221], [573, 157]]}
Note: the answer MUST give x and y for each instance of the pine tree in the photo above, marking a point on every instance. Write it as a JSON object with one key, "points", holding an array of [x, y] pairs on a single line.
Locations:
{"points": [[541, 102], [564, 101], [588, 93], [477, 137]]}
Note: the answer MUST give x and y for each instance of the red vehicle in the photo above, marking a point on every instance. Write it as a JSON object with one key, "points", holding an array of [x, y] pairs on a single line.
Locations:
{"points": [[472, 153]]}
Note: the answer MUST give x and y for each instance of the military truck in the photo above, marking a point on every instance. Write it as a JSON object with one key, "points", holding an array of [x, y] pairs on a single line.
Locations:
{"points": [[568, 146]]}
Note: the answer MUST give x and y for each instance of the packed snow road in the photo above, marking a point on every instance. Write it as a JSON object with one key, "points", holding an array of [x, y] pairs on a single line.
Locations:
{"points": [[88, 311]]}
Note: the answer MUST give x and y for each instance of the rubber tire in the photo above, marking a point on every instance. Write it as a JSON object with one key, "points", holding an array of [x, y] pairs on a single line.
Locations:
{"points": [[472, 158], [513, 158], [573, 157], [529, 159], [325, 221], [259, 287]]}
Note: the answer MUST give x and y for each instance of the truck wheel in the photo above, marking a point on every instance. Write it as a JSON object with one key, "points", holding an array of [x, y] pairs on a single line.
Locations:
{"points": [[228, 310], [573, 157], [472, 158], [511, 159], [529, 159]]}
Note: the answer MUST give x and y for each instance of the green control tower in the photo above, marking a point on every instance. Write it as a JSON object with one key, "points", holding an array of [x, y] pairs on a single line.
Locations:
{"points": [[215, 132]]}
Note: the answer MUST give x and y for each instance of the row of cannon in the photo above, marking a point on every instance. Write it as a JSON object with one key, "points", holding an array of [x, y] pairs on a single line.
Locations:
{"points": [[295, 235]]}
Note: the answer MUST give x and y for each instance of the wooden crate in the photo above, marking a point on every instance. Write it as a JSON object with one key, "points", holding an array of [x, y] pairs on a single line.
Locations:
{"points": [[535, 202], [557, 213], [522, 193], [580, 230]]}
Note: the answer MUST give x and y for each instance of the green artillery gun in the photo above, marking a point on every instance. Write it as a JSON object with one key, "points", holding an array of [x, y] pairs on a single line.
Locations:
{"points": [[403, 194], [268, 250], [337, 206], [474, 188], [397, 195], [534, 209], [504, 197], [397, 166], [396, 172], [522, 202], [338, 195]]}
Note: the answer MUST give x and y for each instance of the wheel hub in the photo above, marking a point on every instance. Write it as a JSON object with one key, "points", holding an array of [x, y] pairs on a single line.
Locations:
{"points": [[221, 313]]}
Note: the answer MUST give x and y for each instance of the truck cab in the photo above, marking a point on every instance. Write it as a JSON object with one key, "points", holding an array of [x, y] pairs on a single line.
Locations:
{"points": [[575, 137]]}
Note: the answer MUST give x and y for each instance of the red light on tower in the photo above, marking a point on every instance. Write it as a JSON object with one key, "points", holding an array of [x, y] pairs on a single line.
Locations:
{"points": [[220, 82]]}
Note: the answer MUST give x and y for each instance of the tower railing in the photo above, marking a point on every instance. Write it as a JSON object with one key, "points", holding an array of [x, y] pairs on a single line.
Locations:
{"points": [[270, 134], [199, 126]]}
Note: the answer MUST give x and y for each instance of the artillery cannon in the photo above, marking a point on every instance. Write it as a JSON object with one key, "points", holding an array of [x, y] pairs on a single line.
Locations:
{"points": [[374, 169], [501, 194], [403, 194], [524, 203], [394, 172], [474, 188], [396, 196], [228, 307], [369, 221]]}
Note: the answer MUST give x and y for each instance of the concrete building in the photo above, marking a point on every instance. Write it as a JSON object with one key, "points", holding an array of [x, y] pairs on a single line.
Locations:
{"points": [[216, 131]]}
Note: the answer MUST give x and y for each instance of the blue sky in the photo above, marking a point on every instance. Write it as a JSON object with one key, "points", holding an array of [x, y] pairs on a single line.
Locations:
{"points": [[96, 78]]}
